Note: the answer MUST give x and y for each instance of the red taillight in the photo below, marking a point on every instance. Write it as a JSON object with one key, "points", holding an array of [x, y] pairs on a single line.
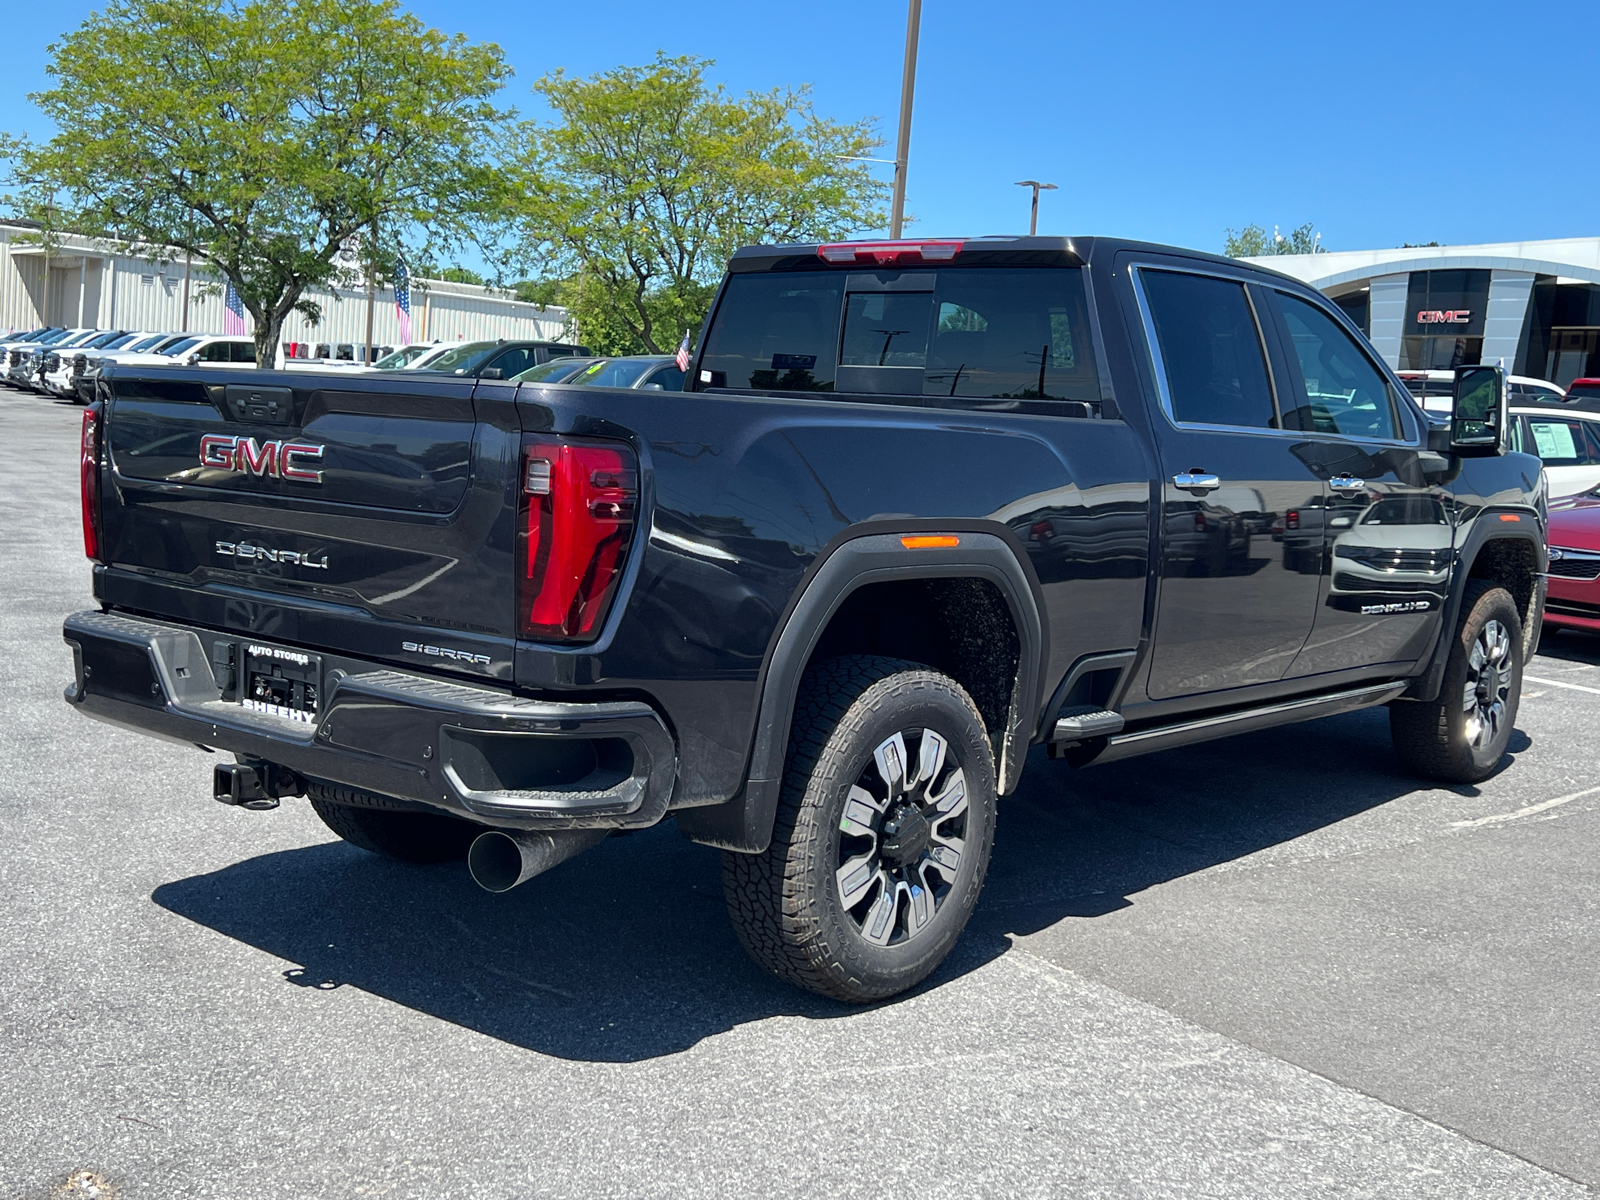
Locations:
{"points": [[1291, 519], [941, 250], [1200, 522], [89, 480], [578, 506]]}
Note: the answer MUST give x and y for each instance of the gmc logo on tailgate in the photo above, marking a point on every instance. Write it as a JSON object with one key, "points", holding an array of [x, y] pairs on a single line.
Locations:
{"points": [[280, 460]]}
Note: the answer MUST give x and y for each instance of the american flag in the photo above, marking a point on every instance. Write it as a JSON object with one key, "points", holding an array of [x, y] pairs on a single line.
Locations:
{"points": [[402, 299], [682, 357], [232, 313]]}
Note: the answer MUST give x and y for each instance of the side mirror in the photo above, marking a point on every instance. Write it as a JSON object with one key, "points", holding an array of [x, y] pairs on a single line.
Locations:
{"points": [[491, 373], [1479, 417], [194, 359]]}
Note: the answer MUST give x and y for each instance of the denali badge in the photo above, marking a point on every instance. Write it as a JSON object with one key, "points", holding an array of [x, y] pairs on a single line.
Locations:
{"points": [[248, 551], [228, 453], [445, 652]]}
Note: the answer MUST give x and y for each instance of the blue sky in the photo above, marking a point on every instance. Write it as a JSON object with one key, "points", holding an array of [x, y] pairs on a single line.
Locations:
{"points": [[1382, 123]]}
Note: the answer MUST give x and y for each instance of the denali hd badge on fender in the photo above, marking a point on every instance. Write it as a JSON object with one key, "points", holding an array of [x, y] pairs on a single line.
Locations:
{"points": [[228, 453]]}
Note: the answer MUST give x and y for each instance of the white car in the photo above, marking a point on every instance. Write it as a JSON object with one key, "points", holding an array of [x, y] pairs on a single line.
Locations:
{"points": [[210, 351], [1566, 441], [140, 348], [1433, 389], [196, 349], [62, 367], [21, 343], [1397, 552], [406, 358], [22, 366]]}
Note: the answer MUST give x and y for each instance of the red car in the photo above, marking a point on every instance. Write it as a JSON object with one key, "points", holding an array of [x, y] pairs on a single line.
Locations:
{"points": [[1574, 597]]}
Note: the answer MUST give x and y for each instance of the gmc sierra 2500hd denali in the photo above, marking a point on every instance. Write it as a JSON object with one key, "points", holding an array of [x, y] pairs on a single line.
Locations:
{"points": [[921, 506]]}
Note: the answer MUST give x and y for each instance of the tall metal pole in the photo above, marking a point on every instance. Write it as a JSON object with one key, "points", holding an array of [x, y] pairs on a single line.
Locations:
{"points": [[188, 262], [902, 150], [188, 266], [372, 293]]}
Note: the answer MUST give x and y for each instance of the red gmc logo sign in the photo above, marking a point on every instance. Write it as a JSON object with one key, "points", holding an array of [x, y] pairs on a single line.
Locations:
{"points": [[223, 452], [1449, 316]]}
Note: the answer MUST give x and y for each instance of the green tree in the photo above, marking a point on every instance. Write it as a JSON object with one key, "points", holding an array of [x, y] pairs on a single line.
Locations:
{"points": [[1255, 242], [648, 178], [280, 141]]}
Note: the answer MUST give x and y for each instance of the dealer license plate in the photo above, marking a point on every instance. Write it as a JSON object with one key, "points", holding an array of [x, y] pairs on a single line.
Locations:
{"points": [[282, 683]]}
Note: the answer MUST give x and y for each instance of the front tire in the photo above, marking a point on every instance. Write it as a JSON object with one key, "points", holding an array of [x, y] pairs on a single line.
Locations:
{"points": [[398, 833], [884, 829], [1462, 736]]}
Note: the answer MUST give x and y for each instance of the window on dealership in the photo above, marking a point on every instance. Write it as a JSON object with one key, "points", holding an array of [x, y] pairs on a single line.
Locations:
{"points": [[1358, 307], [1444, 320]]}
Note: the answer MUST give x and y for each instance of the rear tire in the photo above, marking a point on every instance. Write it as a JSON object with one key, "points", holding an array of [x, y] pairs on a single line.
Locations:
{"points": [[883, 833], [398, 833], [1462, 736]]}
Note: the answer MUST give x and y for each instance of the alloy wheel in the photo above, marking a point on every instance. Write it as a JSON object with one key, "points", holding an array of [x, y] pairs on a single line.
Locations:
{"points": [[902, 837], [1488, 683]]}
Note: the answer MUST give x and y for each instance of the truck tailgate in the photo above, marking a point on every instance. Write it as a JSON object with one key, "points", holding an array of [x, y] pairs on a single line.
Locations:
{"points": [[363, 514]]}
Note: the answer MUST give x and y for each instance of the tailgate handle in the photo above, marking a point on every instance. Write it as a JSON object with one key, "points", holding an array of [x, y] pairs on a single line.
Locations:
{"points": [[260, 405]]}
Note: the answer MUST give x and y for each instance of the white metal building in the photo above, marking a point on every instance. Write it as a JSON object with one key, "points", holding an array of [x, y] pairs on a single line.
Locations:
{"points": [[1534, 304], [88, 283]]}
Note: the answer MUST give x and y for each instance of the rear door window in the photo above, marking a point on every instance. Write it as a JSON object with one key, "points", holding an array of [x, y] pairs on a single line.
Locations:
{"points": [[1209, 349]]}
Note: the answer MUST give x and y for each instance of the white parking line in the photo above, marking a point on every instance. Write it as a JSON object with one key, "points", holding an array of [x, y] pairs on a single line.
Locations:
{"points": [[1577, 687], [1524, 812]]}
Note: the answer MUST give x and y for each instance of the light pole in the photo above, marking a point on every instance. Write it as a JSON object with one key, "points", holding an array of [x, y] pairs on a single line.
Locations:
{"points": [[1033, 221], [902, 149]]}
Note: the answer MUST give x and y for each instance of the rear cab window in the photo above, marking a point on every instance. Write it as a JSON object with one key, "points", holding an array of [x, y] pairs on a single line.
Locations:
{"points": [[986, 337]]}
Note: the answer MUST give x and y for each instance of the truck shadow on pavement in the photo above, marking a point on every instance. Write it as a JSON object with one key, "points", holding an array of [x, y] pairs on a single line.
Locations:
{"points": [[625, 953]]}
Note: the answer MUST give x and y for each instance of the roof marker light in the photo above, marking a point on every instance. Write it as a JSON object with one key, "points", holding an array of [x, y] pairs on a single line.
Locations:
{"points": [[942, 250]]}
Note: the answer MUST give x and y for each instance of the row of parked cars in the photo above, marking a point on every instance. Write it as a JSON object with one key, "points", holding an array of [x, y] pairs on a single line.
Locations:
{"points": [[1562, 427], [67, 362]]}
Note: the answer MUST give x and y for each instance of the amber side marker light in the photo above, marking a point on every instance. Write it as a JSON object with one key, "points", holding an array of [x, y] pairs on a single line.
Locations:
{"points": [[931, 541]]}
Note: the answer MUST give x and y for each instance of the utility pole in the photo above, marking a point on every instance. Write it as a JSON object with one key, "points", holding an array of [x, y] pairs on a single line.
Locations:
{"points": [[49, 233], [188, 264], [372, 291], [1033, 221], [902, 150]]}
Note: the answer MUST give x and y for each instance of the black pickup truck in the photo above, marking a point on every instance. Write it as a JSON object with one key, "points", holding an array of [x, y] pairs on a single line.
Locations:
{"points": [[920, 507]]}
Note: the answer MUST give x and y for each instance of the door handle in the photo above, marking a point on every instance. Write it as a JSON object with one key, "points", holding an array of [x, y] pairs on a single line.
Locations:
{"points": [[1347, 483], [1196, 481]]}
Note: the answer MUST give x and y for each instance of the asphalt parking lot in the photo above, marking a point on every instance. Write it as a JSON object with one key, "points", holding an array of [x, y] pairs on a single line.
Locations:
{"points": [[1270, 966]]}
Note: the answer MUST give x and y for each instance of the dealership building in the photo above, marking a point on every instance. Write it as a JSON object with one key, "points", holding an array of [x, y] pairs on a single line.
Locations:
{"points": [[80, 282], [1534, 304]]}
